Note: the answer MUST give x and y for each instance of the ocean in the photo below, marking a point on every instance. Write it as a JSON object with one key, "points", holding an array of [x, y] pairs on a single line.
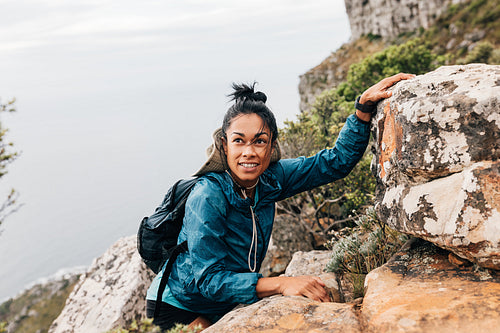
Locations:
{"points": [[117, 100]]}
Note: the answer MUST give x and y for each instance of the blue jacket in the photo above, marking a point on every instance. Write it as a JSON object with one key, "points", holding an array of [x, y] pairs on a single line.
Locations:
{"points": [[213, 276]]}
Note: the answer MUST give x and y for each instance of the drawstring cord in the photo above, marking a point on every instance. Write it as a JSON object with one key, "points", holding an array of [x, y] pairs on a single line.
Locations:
{"points": [[254, 242]]}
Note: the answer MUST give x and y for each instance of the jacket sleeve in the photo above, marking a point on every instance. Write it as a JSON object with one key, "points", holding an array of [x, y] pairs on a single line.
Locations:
{"points": [[301, 174], [206, 211]]}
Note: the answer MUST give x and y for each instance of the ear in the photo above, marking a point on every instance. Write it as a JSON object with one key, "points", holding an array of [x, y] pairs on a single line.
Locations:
{"points": [[224, 145]]}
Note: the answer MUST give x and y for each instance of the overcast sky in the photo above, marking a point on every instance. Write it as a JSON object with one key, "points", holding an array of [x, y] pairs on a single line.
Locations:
{"points": [[117, 99]]}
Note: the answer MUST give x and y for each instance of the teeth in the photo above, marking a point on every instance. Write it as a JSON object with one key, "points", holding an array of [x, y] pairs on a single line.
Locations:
{"points": [[249, 165]]}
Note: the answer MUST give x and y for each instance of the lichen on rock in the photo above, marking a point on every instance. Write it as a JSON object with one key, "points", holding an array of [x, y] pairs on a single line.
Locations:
{"points": [[436, 160]]}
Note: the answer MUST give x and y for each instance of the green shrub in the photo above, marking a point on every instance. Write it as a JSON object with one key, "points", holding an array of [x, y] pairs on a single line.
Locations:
{"points": [[369, 245], [373, 37], [413, 57], [481, 53], [495, 57], [147, 326]]}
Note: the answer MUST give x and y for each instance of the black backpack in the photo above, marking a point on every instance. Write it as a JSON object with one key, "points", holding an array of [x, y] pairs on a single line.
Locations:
{"points": [[157, 235]]}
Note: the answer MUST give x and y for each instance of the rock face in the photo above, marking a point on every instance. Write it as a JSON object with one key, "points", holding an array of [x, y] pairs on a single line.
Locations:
{"points": [[112, 293], [418, 290], [389, 18], [436, 160]]}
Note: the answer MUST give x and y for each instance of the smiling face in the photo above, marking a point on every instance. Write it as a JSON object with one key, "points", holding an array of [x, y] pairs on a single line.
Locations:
{"points": [[248, 148]]}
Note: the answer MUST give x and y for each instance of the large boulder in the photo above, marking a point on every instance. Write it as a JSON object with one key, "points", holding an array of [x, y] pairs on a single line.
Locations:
{"points": [[111, 294], [436, 160], [419, 290]]}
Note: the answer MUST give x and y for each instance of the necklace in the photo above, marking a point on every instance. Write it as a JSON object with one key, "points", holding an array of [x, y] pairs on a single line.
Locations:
{"points": [[243, 187]]}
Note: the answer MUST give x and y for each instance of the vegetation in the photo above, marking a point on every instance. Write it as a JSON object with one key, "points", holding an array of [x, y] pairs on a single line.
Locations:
{"points": [[147, 326], [330, 207], [7, 156], [370, 244], [483, 53], [35, 309], [461, 30]]}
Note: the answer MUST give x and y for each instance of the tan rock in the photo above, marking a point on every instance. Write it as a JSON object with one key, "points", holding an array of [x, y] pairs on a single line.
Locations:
{"points": [[289, 314], [420, 291], [457, 261]]}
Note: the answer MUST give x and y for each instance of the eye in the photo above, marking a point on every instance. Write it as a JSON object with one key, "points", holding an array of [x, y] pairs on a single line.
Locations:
{"points": [[261, 141], [238, 140]]}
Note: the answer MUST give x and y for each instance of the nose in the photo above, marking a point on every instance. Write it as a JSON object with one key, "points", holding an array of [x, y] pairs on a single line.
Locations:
{"points": [[249, 150]]}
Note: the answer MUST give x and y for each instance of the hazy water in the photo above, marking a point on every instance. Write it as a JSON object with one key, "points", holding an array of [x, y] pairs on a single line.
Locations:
{"points": [[107, 118]]}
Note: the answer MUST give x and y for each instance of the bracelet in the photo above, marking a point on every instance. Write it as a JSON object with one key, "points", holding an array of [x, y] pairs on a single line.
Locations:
{"points": [[366, 108]]}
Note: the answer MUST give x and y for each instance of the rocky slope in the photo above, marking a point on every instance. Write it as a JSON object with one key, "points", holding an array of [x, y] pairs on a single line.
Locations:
{"points": [[34, 309], [419, 290]]}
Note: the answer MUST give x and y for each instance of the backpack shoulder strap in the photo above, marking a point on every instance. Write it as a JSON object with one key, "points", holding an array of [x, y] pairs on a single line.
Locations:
{"points": [[182, 247]]}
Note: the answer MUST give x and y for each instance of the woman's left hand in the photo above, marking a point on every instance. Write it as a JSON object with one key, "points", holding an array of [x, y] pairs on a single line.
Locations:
{"points": [[379, 91]]}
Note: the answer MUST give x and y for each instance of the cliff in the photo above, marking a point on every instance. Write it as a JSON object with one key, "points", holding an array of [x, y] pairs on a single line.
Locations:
{"points": [[390, 18]]}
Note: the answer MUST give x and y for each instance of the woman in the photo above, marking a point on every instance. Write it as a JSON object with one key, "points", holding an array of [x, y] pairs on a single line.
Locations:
{"points": [[230, 211]]}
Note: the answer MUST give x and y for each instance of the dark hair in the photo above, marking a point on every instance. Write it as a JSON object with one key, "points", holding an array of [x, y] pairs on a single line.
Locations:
{"points": [[247, 101]]}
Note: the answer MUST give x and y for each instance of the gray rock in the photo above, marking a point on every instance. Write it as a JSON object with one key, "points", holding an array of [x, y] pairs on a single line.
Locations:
{"points": [[436, 160], [310, 263], [111, 294], [314, 263], [389, 18]]}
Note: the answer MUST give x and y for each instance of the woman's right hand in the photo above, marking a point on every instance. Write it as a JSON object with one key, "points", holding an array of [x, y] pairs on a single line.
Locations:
{"points": [[309, 286]]}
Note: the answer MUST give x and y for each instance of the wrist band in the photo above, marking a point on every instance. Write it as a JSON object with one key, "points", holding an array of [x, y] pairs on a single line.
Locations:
{"points": [[366, 108]]}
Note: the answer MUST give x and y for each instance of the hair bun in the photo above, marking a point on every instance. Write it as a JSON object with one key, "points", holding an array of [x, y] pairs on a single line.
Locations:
{"points": [[259, 96], [246, 92]]}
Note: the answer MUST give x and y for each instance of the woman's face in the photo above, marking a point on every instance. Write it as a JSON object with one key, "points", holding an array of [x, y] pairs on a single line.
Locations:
{"points": [[248, 148]]}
